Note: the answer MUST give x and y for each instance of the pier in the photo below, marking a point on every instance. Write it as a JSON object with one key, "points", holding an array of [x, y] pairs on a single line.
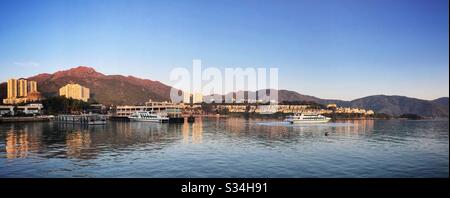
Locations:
{"points": [[90, 119], [24, 119]]}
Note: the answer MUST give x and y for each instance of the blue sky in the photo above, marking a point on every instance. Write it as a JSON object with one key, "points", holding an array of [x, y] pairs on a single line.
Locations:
{"points": [[341, 49]]}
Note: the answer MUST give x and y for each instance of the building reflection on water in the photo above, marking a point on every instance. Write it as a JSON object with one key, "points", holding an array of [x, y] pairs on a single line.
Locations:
{"points": [[86, 142], [193, 132], [251, 128], [276, 130], [49, 140], [76, 142], [20, 140], [356, 127]]}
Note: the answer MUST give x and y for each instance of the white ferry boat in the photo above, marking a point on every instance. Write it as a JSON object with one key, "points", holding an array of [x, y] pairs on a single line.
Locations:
{"points": [[306, 118], [147, 116]]}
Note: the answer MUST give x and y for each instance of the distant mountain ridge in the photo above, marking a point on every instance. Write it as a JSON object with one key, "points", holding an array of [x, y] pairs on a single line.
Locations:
{"points": [[441, 101], [392, 105], [397, 105], [121, 90]]}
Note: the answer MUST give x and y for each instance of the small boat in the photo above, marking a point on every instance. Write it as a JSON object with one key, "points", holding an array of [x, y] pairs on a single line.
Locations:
{"points": [[147, 116], [191, 119], [306, 118]]}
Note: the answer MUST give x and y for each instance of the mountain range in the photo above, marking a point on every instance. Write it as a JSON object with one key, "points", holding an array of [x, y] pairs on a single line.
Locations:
{"points": [[120, 90], [388, 104], [106, 89], [392, 105]]}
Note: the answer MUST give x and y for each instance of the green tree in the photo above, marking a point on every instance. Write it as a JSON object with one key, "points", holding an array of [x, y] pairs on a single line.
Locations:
{"points": [[62, 105]]}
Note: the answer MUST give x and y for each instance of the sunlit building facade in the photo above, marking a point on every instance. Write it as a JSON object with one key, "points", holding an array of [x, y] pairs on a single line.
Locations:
{"points": [[12, 88], [32, 86], [18, 91], [23, 87], [75, 91]]}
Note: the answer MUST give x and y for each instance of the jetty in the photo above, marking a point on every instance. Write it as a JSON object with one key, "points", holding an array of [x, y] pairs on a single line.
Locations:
{"points": [[88, 119], [24, 119]]}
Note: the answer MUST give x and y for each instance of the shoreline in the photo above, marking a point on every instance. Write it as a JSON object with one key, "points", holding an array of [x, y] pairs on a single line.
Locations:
{"points": [[270, 116], [47, 118]]}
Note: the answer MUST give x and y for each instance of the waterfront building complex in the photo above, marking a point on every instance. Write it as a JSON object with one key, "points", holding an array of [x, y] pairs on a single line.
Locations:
{"points": [[75, 91], [278, 108], [169, 109]]}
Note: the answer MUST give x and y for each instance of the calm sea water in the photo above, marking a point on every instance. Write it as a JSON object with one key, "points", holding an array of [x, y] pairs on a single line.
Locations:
{"points": [[226, 147]]}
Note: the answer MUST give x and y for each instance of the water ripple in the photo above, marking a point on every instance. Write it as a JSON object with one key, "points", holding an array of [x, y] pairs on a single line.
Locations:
{"points": [[232, 147]]}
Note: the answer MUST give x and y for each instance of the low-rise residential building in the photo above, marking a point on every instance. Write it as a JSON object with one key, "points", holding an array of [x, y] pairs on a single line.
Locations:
{"points": [[171, 109], [26, 109], [287, 109], [331, 106]]}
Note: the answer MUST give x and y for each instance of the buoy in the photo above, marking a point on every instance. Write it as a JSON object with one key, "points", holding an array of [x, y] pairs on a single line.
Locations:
{"points": [[191, 118]]}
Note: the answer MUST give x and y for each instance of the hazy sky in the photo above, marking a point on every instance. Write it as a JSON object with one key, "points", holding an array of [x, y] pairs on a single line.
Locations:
{"points": [[328, 48]]}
